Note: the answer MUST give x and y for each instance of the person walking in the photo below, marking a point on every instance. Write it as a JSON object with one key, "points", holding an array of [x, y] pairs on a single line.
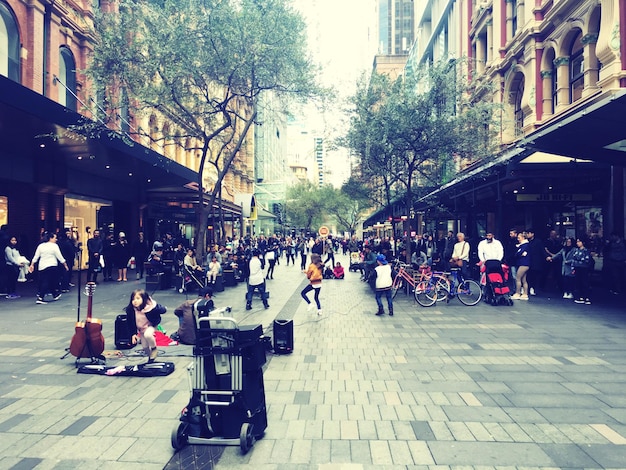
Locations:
{"points": [[302, 249], [256, 280], [315, 274], [522, 263], [47, 257], [383, 284]]}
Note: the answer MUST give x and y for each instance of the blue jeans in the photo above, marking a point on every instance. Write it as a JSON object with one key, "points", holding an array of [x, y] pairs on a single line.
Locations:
{"points": [[387, 294]]}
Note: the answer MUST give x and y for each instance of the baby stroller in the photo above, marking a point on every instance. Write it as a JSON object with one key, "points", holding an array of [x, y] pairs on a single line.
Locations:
{"points": [[496, 275], [191, 278], [355, 262]]}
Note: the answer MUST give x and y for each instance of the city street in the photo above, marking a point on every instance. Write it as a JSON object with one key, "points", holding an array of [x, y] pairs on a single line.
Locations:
{"points": [[537, 385]]}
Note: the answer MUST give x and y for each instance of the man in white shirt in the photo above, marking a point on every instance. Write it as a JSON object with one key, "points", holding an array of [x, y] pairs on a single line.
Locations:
{"points": [[490, 249]]}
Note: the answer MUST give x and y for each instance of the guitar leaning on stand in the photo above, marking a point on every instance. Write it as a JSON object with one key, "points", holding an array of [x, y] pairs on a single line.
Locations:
{"points": [[88, 341]]}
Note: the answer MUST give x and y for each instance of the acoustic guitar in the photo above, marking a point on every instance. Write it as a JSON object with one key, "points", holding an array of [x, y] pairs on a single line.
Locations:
{"points": [[88, 341]]}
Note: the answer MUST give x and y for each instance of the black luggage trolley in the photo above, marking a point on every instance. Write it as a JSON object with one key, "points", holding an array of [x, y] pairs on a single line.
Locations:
{"points": [[227, 405]]}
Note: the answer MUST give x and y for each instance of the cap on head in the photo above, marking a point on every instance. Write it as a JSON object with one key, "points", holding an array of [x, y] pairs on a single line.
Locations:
{"points": [[381, 259], [122, 235]]}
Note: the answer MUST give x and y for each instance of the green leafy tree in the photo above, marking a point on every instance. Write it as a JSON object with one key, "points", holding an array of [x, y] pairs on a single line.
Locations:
{"points": [[304, 206], [201, 65], [408, 131]]}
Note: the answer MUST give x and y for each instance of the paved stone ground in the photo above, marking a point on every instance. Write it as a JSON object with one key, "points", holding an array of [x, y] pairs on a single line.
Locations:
{"points": [[539, 385]]}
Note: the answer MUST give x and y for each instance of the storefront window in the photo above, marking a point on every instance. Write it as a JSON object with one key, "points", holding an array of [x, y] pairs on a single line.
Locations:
{"points": [[4, 210], [81, 215], [590, 224]]}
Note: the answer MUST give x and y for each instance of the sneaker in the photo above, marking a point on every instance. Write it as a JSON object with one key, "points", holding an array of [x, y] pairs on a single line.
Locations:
{"points": [[523, 297], [57, 297], [72, 285], [565, 295], [41, 302], [515, 296], [532, 291], [12, 296], [587, 302], [568, 295], [319, 312], [579, 301]]}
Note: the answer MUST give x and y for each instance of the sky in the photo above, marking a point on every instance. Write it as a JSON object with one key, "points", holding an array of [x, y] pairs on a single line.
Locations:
{"points": [[342, 39]]}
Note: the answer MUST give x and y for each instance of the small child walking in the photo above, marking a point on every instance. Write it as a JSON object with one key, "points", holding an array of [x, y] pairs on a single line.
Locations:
{"points": [[315, 274]]}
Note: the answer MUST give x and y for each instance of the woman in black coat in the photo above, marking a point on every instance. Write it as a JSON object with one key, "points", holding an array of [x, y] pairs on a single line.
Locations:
{"points": [[121, 256]]}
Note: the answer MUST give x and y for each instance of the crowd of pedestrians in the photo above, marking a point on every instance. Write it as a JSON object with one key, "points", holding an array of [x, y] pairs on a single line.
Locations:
{"points": [[537, 266]]}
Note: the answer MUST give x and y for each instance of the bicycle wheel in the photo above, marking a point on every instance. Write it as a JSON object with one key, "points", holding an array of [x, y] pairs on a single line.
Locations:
{"points": [[426, 294], [398, 284], [469, 292], [443, 287]]}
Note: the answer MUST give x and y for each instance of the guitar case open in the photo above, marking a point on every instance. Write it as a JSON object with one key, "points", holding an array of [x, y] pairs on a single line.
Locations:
{"points": [[153, 369]]}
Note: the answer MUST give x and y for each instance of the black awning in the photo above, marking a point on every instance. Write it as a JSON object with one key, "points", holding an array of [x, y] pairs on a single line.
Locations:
{"points": [[29, 120], [595, 131]]}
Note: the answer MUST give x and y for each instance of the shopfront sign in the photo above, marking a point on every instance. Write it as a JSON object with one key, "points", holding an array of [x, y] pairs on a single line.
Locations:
{"points": [[554, 197]]}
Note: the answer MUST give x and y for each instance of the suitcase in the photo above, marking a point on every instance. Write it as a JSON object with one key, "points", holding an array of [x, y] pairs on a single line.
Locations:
{"points": [[123, 338]]}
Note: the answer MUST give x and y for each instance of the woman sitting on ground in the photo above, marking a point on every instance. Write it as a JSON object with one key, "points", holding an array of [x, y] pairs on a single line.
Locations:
{"points": [[338, 271]]}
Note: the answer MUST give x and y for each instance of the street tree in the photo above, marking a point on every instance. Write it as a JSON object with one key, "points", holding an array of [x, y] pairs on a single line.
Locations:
{"points": [[407, 132], [304, 206], [201, 66]]}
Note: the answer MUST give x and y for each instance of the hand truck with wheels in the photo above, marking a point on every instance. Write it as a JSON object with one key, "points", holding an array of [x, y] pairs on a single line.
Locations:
{"points": [[227, 404]]}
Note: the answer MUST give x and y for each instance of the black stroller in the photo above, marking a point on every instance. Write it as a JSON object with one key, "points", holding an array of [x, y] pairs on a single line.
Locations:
{"points": [[497, 291], [191, 278]]}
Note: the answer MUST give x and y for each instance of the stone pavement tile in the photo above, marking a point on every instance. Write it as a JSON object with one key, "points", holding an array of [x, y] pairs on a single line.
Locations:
{"points": [[554, 400], [381, 452], [420, 452], [569, 456], [473, 413], [489, 453], [575, 415], [607, 456]]}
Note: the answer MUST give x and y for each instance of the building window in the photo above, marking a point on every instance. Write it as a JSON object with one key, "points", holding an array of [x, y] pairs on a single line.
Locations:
{"points": [[67, 77], [9, 45], [554, 87], [577, 69], [513, 18], [517, 111]]}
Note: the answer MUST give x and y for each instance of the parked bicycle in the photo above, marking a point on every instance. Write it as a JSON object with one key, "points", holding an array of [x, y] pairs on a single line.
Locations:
{"points": [[467, 291], [424, 287]]}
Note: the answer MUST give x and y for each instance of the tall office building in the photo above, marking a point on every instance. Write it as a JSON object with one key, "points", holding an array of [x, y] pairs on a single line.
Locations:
{"points": [[396, 26]]}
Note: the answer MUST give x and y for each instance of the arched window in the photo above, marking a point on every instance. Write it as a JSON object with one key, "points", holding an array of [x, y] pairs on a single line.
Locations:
{"points": [[124, 111], [518, 93], [554, 87], [9, 45], [67, 76], [576, 69]]}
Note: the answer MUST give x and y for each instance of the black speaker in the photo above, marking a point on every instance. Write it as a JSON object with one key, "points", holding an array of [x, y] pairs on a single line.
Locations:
{"points": [[283, 336]]}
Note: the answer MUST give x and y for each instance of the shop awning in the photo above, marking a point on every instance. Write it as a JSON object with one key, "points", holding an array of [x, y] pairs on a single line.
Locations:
{"points": [[34, 127], [595, 131]]}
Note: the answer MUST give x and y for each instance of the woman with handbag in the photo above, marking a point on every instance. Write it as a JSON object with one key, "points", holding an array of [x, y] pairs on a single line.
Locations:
{"points": [[460, 254]]}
